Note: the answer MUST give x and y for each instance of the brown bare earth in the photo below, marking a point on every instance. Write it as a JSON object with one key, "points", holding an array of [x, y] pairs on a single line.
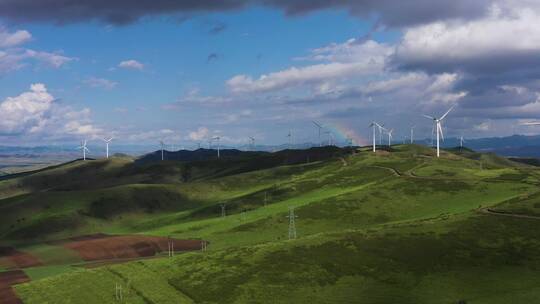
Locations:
{"points": [[11, 258], [7, 279], [107, 247]]}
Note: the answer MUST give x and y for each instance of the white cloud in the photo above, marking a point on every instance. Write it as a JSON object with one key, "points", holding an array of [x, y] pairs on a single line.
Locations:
{"points": [[484, 126], [131, 64], [95, 82], [15, 59], [198, 135], [515, 30], [34, 113], [16, 38], [344, 61], [26, 111]]}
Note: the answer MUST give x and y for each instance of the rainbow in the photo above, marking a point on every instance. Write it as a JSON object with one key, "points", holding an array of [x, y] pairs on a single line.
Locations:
{"points": [[342, 132]]}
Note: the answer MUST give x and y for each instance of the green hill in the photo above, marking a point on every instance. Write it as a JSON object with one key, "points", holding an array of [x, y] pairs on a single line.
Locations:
{"points": [[396, 226]]}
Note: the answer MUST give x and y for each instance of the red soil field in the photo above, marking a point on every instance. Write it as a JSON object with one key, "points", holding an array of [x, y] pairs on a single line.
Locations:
{"points": [[14, 259], [126, 246], [7, 279]]}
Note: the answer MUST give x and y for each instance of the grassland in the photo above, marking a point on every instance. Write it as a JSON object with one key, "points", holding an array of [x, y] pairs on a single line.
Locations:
{"points": [[391, 227]]}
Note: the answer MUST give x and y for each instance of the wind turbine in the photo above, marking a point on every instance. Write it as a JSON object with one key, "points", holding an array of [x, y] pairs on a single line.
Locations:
{"points": [[389, 132], [381, 130], [412, 134], [289, 135], [329, 137], [319, 127], [162, 148], [107, 141], [461, 141], [438, 127], [374, 125], [217, 138], [83, 148], [252, 143]]}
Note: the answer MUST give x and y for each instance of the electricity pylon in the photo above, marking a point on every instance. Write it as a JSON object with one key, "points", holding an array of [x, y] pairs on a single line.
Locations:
{"points": [[292, 226]]}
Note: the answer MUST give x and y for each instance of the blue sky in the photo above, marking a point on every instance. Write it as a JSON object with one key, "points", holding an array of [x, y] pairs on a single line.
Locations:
{"points": [[259, 71]]}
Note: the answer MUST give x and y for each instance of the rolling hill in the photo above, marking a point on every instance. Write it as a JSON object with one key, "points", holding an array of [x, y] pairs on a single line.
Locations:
{"points": [[396, 226]]}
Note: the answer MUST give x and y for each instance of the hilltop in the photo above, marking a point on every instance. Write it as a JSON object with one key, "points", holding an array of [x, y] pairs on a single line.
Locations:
{"points": [[396, 226]]}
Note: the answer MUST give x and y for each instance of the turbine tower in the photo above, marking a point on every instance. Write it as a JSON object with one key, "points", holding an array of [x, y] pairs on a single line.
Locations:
{"points": [[83, 148], [389, 132], [162, 148], [437, 126], [412, 134], [461, 141], [329, 137], [107, 141], [374, 125], [319, 128], [217, 138]]}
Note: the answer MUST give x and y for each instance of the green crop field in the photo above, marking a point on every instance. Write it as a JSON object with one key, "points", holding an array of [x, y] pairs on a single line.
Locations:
{"points": [[398, 226]]}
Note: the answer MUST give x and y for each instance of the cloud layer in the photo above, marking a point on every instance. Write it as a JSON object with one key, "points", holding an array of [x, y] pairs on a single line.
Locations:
{"points": [[125, 11]]}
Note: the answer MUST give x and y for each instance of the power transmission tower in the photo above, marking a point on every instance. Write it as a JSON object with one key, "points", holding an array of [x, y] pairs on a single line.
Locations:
{"points": [[118, 292], [203, 246], [223, 212], [292, 225], [170, 244]]}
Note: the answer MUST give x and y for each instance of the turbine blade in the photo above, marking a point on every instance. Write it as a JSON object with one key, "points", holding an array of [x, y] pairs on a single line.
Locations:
{"points": [[532, 123], [439, 128], [442, 117], [429, 117]]}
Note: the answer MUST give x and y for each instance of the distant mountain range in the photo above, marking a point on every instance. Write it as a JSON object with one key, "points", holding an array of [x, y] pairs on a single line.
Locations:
{"points": [[515, 145]]}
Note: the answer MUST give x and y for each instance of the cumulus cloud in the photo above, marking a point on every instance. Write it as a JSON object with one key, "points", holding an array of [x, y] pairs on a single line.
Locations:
{"points": [[131, 64], [35, 113], [199, 134], [500, 41], [16, 38], [339, 64], [14, 57]]}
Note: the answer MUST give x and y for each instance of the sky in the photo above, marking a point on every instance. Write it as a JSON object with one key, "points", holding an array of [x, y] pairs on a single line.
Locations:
{"points": [[186, 71]]}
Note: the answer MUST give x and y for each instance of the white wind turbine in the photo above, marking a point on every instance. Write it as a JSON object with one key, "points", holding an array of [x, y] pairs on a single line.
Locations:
{"points": [[389, 132], [330, 137], [217, 138], [381, 130], [162, 149], [107, 141], [83, 148], [374, 125], [412, 134], [461, 141], [437, 127], [319, 127]]}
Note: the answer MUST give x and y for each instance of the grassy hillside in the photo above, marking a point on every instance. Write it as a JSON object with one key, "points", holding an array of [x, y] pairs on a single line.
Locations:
{"points": [[397, 226]]}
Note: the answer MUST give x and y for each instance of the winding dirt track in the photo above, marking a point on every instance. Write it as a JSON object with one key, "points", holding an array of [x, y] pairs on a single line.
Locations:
{"points": [[502, 213], [111, 247], [7, 280]]}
